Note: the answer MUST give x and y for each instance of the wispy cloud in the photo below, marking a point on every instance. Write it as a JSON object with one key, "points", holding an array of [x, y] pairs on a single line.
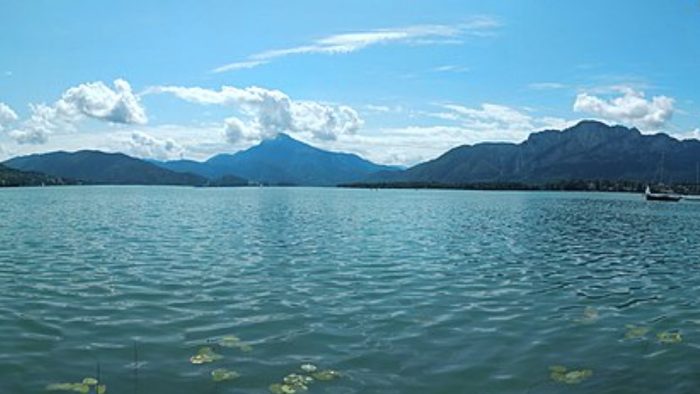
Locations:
{"points": [[451, 68], [547, 86], [350, 42], [239, 66]]}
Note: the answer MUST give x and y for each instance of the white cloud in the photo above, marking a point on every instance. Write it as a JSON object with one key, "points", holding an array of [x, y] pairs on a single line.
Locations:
{"points": [[491, 116], [270, 112], [97, 100], [631, 108], [547, 86], [239, 66], [351, 42], [412, 144], [35, 130], [93, 100], [377, 108], [451, 68], [7, 116], [237, 131], [147, 146]]}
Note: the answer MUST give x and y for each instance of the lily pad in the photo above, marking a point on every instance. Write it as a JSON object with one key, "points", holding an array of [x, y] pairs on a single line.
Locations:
{"points": [[205, 355], [669, 337], [276, 388], [561, 374], [590, 315], [308, 368], [222, 374], [90, 381], [288, 389], [634, 332], [75, 387], [232, 341], [325, 375], [102, 389]]}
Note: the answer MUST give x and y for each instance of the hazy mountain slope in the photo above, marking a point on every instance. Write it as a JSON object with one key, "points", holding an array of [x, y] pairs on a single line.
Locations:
{"points": [[284, 160], [13, 177], [589, 150], [102, 168]]}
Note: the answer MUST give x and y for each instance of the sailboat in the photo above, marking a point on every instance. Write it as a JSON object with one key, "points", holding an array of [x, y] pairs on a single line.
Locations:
{"points": [[660, 196], [695, 197]]}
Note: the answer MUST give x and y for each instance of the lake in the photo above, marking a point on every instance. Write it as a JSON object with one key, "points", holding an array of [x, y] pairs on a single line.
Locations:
{"points": [[400, 291]]}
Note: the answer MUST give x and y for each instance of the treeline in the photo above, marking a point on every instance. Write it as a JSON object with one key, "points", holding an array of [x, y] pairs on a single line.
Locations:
{"points": [[13, 178], [563, 185]]}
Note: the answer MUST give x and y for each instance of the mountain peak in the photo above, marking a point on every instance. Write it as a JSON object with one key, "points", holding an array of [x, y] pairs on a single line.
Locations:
{"points": [[284, 160]]}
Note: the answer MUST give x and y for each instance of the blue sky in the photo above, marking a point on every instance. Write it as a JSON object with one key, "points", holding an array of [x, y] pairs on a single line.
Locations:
{"points": [[395, 81]]}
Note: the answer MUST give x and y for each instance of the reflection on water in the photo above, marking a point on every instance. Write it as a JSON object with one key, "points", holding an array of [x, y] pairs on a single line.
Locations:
{"points": [[401, 291]]}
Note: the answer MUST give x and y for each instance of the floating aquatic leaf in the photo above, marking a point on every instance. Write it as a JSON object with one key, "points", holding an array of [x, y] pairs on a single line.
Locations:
{"points": [[77, 387], [308, 368], [205, 355], [282, 388], [230, 341], [276, 388], [296, 381], [90, 381], [561, 374], [222, 374], [589, 315], [669, 337], [325, 375], [102, 389], [289, 389], [61, 386], [634, 332]]}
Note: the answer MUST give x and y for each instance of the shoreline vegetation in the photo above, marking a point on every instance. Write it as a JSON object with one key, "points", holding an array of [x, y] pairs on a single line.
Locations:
{"points": [[41, 180], [563, 185]]}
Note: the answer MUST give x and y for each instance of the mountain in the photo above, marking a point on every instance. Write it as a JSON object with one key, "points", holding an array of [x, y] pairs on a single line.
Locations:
{"points": [[12, 177], [102, 168], [589, 150], [284, 161]]}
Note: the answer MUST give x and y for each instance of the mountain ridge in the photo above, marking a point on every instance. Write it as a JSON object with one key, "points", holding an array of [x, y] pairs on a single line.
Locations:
{"points": [[284, 160], [99, 167], [587, 150]]}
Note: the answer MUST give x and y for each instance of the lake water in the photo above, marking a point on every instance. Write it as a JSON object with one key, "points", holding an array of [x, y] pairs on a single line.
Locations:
{"points": [[401, 291]]}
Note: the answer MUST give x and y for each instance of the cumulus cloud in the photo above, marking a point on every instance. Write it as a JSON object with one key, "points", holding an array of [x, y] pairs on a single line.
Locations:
{"points": [[145, 145], [7, 116], [99, 101], [632, 107], [94, 100], [270, 112], [351, 42]]}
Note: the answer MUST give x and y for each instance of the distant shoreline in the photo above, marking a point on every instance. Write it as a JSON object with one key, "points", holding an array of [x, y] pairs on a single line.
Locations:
{"points": [[573, 185], [570, 186]]}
